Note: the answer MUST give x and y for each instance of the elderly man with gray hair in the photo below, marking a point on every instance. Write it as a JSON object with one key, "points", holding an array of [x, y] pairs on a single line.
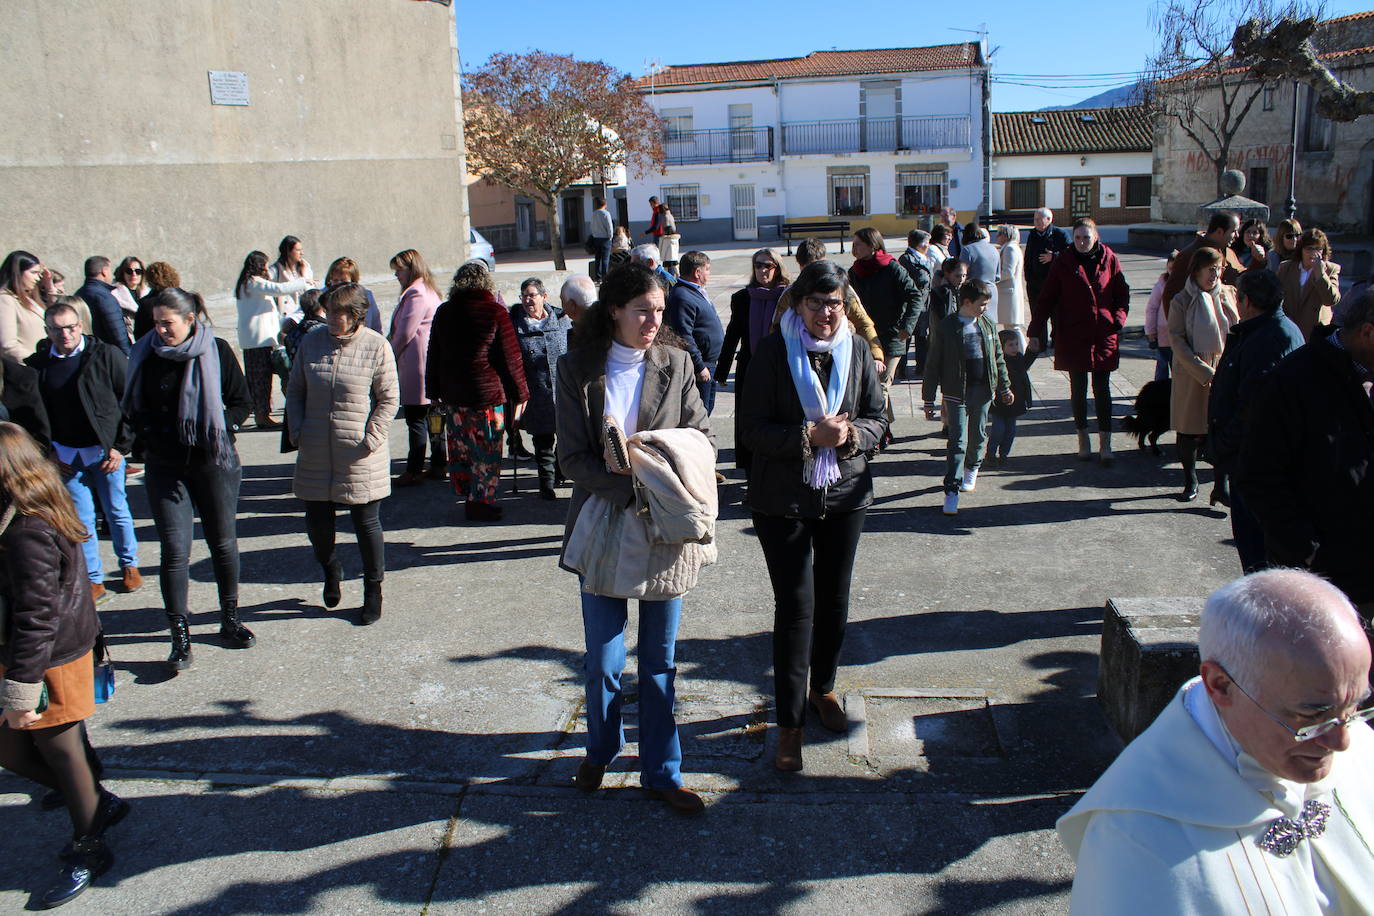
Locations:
{"points": [[576, 295], [1251, 792], [648, 256]]}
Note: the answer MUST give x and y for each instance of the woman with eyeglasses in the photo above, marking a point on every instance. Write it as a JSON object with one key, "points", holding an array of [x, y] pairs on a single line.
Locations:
{"points": [[751, 315], [541, 329], [129, 287], [1311, 283], [1286, 239], [812, 415]]}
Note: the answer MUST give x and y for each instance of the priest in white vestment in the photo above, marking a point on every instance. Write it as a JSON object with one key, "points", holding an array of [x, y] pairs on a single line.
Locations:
{"points": [[1253, 792]]}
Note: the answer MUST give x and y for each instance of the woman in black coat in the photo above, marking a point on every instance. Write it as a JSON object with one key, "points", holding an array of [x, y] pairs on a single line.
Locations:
{"points": [[48, 690], [812, 415]]}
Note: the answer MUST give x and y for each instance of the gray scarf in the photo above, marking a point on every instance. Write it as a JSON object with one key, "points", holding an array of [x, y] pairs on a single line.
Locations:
{"points": [[200, 406]]}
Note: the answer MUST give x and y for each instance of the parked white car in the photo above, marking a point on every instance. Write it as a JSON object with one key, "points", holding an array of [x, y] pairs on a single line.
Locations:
{"points": [[479, 249]]}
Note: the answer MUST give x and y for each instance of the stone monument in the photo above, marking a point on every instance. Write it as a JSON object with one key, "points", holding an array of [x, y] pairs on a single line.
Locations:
{"points": [[1232, 184]]}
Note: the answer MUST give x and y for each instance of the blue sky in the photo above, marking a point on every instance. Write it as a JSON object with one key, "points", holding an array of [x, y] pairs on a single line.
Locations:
{"points": [[1032, 37]]}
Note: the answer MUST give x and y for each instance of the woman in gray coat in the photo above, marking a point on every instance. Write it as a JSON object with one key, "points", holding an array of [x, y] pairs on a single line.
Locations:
{"points": [[341, 399], [541, 330]]}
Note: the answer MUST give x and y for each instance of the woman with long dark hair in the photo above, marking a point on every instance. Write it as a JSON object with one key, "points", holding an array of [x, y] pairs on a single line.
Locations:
{"points": [[291, 265], [260, 323], [46, 659], [623, 371], [1087, 296], [812, 414], [158, 276], [340, 403], [21, 305], [890, 298], [129, 287], [185, 397]]}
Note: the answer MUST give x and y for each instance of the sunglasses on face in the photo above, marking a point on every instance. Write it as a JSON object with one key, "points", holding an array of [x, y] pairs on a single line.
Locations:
{"points": [[763, 264], [133, 271]]}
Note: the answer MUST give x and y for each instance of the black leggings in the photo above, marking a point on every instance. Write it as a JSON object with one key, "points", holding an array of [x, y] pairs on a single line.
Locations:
{"points": [[367, 523], [1102, 398], [810, 562], [176, 495], [59, 758], [417, 434]]}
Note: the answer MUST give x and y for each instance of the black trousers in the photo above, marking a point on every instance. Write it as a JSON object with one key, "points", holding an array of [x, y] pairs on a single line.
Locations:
{"points": [[367, 523], [544, 458], [417, 434], [176, 495], [1102, 398], [810, 563]]}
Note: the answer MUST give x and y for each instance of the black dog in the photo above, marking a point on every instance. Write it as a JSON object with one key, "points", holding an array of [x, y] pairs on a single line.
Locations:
{"points": [[1151, 413]]}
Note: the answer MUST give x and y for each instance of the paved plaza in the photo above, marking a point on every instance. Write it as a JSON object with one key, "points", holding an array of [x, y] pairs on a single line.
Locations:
{"points": [[424, 764]]}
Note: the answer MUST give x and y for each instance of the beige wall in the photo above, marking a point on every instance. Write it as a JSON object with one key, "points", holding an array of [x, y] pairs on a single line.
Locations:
{"points": [[352, 140]]}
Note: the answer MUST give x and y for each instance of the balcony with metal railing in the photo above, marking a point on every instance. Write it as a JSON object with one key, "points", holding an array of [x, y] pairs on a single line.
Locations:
{"points": [[709, 147], [876, 135]]}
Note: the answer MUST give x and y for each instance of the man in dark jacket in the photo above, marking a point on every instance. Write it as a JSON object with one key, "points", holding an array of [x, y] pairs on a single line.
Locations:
{"points": [[1306, 463], [1263, 337], [1222, 230], [690, 313], [82, 380], [107, 319], [1043, 244]]}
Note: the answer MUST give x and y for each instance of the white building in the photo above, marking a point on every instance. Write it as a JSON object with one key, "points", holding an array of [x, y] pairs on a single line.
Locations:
{"points": [[878, 138], [1093, 162]]}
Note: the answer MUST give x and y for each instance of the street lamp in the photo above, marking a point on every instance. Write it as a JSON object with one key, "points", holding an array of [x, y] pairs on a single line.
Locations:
{"points": [[1290, 206]]}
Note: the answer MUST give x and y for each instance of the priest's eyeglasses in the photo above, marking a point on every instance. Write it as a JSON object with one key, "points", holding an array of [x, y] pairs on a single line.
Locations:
{"points": [[1311, 731]]}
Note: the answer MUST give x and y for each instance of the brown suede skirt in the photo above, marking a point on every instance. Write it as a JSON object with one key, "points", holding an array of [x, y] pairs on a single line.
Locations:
{"points": [[71, 692]]}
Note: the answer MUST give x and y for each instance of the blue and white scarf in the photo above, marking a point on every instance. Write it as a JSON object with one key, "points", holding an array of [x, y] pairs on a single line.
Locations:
{"points": [[822, 469]]}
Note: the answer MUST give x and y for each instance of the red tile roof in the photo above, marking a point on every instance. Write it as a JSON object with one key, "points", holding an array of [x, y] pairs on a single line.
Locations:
{"points": [[1107, 130], [820, 63]]}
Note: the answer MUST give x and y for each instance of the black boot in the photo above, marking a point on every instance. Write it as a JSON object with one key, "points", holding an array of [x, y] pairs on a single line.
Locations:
{"points": [[180, 659], [83, 861], [231, 632], [111, 810], [1187, 453], [333, 589], [1221, 490], [372, 602]]}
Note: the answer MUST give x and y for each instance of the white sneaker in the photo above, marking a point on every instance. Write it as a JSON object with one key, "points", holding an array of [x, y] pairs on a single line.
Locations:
{"points": [[951, 504], [970, 481]]}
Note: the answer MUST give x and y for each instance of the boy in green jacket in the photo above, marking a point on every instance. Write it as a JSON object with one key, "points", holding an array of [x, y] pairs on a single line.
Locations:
{"points": [[966, 363]]}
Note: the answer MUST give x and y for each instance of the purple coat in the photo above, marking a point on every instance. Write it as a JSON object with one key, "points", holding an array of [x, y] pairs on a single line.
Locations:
{"points": [[409, 338]]}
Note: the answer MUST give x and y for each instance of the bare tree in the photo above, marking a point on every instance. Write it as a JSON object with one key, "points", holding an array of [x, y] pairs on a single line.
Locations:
{"points": [[1195, 81], [1283, 49], [539, 123]]}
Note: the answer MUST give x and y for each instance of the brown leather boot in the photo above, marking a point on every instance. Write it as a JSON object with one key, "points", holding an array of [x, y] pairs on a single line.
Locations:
{"points": [[132, 578], [828, 707], [789, 758]]}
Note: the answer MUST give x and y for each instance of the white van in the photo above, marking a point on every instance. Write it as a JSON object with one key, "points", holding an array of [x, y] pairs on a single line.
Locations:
{"points": [[479, 249]]}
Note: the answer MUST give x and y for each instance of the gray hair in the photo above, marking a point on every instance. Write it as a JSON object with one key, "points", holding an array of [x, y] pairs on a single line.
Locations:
{"points": [[1247, 619], [538, 285], [1045, 212], [645, 254], [1010, 233], [578, 289]]}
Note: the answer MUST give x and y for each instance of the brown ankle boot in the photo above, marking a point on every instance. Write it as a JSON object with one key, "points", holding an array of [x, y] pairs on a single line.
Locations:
{"points": [[831, 713], [789, 758]]}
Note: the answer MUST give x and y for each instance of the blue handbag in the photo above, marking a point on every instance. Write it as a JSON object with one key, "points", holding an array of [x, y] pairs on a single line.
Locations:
{"points": [[104, 670]]}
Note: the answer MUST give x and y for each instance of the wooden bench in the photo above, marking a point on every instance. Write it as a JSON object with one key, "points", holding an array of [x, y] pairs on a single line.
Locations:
{"points": [[1149, 649], [839, 227]]}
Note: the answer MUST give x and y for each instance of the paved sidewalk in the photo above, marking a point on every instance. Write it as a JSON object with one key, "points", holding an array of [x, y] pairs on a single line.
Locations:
{"points": [[423, 765]]}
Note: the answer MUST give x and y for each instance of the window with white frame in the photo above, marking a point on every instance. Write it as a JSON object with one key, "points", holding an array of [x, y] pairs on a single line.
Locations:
{"points": [[920, 191], [848, 190], [677, 123], [683, 200]]}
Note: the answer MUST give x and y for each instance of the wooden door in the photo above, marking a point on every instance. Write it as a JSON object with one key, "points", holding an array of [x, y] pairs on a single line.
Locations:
{"points": [[1080, 197]]}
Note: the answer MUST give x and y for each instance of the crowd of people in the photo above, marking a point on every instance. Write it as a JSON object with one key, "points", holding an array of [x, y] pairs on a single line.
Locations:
{"points": [[615, 382]]}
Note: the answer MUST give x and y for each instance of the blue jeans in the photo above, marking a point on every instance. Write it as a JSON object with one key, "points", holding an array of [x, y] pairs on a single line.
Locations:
{"points": [[603, 257], [1164, 359], [967, 423], [1002, 435], [603, 623], [708, 395], [109, 489]]}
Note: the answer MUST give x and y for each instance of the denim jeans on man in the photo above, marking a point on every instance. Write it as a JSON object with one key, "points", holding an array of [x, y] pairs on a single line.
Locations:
{"points": [[603, 257], [87, 479], [603, 623], [707, 390], [967, 424]]}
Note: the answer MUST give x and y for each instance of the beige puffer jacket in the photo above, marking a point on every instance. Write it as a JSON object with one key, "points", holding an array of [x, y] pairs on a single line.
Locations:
{"points": [[340, 402]]}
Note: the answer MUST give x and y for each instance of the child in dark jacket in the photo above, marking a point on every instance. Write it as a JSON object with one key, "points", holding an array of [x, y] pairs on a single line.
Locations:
{"points": [[966, 364], [1003, 432]]}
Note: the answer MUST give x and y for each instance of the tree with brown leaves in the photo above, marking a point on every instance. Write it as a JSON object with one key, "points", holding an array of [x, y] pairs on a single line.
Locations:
{"points": [[539, 123], [1195, 81]]}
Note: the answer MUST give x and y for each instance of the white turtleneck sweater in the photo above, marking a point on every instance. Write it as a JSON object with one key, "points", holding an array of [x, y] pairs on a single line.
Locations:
{"points": [[624, 382]]}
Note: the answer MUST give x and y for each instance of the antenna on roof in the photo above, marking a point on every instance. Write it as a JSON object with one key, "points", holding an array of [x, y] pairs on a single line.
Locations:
{"points": [[651, 69]]}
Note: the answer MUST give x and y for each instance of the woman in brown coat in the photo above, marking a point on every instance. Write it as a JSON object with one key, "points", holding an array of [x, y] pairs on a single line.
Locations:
{"points": [[1311, 283], [1199, 319], [341, 399]]}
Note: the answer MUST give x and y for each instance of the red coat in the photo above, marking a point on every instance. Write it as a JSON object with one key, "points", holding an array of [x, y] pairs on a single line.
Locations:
{"points": [[474, 358], [1089, 305]]}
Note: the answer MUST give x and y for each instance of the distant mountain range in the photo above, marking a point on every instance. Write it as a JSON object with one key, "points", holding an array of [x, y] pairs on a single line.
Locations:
{"points": [[1112, 98]]}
